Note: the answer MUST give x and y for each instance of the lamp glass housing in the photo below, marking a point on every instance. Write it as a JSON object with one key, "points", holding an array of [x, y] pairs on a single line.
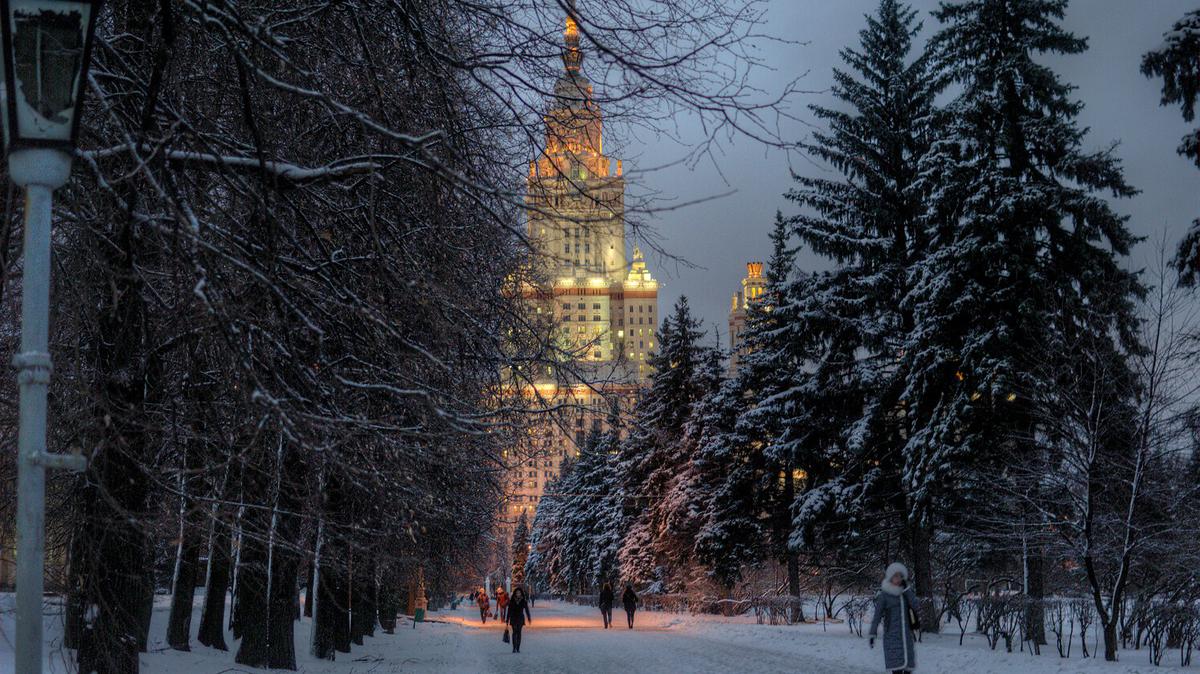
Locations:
{"points": [[46, 45]]}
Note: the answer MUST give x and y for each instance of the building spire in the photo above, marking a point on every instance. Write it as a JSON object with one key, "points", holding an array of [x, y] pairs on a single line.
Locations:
{"points": [[573, 55]]}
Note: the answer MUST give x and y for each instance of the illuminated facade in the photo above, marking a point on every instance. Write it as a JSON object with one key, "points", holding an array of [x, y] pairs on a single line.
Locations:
{"points": [[753, 287], [604, 304]]}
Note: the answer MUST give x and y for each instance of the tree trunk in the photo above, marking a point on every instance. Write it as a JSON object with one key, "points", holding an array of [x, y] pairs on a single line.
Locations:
{"points": [[235, 565], [252, 602], [281, 629], [114, 576], [179, 624], [340, 606], [146, 609], [73, 624], [793, 560], [1035, 616], [358, 599], [371, 604], [922, 573], [388, 600], [212, 619], [324, 613], [285, 560], [1110, 639], [251, 593], [187, 554], [309, 581]]}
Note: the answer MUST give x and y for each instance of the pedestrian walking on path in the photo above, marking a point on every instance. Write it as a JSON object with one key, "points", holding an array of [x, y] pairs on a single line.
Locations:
{"points": [[897, 609], [606, 604], [518, 616], [502, 603], [630, 599], [485, 605]]}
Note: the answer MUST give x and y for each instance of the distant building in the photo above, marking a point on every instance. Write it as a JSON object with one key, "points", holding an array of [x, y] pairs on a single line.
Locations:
{"points": [[605, 307], [752, 288]]}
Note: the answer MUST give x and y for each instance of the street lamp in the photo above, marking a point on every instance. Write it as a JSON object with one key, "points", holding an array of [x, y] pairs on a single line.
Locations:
{"points": [[46, 47]]}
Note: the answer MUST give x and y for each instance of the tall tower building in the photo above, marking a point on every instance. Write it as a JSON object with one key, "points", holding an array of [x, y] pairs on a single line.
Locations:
{"points": [[604, 304], [752, 288]]}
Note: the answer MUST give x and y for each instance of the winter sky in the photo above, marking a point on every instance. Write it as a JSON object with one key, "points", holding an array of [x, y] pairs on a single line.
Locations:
{"points": [[1121, 106]]}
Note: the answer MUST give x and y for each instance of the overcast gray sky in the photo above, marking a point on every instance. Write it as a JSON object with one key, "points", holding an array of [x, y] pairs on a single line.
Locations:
{"points": [[1121, 105]]}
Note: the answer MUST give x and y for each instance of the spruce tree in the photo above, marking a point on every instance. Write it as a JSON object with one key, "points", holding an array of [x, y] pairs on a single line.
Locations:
{"points": [[650, 457], [1021, 243], [725, 495], [520, 550], [760, 391], [579, 526], [688, 493], [545, 565], [1176, 63], [847, 325], [599, 508]]}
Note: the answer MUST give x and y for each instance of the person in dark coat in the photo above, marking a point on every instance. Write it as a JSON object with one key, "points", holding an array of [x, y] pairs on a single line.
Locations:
{"points": [[630, 600], [893, 605], [518, 616], [606, 604], [485, 606]]}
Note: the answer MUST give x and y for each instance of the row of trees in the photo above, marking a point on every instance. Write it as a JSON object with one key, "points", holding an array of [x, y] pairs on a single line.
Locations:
{"points": [[287, 306], [979, 386]]}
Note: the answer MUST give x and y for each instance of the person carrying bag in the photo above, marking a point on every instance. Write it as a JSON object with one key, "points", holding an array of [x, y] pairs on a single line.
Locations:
{"points": [[518, 616]]}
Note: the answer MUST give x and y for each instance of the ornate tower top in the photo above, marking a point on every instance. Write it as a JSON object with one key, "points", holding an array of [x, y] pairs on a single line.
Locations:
{"points": [[574, 124], [573, 55], [639, 276]]}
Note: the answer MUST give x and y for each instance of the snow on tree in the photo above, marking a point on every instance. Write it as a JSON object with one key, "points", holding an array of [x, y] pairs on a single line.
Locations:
{"points": [[579, 525], [725, 498], [653, 455], [1175, 61], [520, 550], [734, 427], [1021, 240], [841, 405]]}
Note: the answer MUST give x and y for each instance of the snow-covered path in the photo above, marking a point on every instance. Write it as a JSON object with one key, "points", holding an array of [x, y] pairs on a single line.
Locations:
{"points": [[568, 638]]}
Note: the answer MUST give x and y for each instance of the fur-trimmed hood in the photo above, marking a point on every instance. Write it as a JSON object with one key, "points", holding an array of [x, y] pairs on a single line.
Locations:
{"points": [[893, 569]]}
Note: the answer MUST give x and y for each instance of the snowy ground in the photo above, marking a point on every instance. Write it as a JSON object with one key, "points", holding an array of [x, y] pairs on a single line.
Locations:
{"points": [[565, 638]]}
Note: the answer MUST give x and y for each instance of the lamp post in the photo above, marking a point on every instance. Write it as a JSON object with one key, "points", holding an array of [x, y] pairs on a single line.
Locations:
{"points": [[46, 47]]}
